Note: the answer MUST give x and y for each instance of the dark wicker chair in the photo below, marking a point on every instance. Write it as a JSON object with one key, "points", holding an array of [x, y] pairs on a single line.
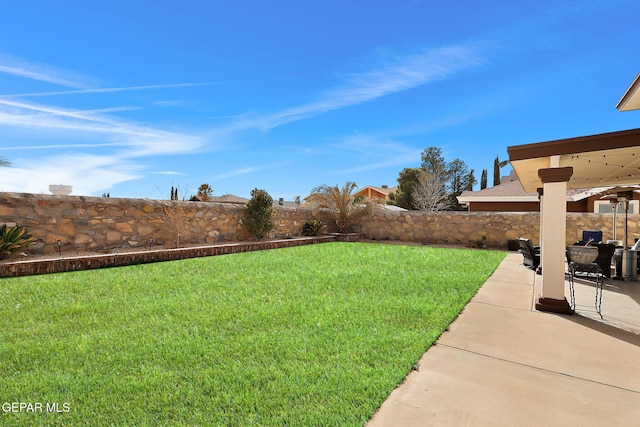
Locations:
{"points": [[605, 255], [530, 253]]}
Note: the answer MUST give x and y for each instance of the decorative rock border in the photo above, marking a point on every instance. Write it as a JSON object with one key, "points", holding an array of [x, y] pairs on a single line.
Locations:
{"points": [[88, 262]]}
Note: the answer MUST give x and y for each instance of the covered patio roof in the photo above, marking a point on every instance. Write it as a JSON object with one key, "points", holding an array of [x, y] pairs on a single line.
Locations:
{"points": [[607, 159], [631, 98]]}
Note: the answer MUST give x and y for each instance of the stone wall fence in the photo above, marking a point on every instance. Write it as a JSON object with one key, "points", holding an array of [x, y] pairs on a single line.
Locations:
{"points": [[97, 224], [493, 229]]}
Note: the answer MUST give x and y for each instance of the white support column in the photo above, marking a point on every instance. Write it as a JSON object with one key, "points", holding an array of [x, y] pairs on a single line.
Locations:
{"points": [[541, 199], [553, 239]]}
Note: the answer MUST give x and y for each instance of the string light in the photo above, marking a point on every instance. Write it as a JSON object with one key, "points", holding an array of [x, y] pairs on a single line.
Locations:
{"points": [[622, 168]]}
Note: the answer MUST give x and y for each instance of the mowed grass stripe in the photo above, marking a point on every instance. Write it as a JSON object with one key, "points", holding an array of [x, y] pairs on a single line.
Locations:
{"points": [[312, 335]]}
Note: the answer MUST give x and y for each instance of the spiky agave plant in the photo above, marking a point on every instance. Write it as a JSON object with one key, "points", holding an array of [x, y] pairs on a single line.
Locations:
{"points": [[339, 205], [14, 239], [313, 227]]}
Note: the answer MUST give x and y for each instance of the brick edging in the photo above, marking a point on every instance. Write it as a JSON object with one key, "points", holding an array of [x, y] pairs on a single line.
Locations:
{"points": [[89, 262]]}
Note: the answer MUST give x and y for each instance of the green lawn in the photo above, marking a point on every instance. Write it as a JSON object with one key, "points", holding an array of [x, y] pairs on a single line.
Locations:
{"points": [[312, 335]]}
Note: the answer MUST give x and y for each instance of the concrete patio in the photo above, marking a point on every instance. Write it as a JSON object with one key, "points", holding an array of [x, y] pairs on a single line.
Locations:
{"points": [[502, 363]]}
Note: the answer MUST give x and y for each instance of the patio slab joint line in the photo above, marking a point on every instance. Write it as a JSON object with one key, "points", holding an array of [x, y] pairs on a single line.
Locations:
{"points": [[537, 368], [506, 307]]}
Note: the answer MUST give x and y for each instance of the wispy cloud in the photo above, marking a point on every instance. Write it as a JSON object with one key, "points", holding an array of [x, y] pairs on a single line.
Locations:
{"points": [[140, 139], [249, 169], [116, 148], [395, 75], [58, 146], [104, 90], [126, 142], [44, 73], [168, 173], [87, 173], [377, 153]]}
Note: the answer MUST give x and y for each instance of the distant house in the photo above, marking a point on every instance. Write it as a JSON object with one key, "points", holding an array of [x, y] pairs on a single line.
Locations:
{"points": [[376, 193], [509, 196], [229, 198], [285, 204]]}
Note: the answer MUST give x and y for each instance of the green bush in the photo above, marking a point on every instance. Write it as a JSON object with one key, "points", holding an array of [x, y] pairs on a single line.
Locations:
{"points": [[14, 239], [313, 227], [259, 214]]}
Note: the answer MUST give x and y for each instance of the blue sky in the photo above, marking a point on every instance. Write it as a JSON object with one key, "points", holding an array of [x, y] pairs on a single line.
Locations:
{"points": [[132, 97]]}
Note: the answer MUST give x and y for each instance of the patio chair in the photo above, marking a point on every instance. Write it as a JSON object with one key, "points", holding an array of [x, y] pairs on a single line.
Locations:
{"points": [[530, 253], [605, 255]]}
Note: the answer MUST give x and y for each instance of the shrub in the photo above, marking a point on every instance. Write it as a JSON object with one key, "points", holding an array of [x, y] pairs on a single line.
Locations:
{"points": [[259, 214], [14, 239], [313, 227]]}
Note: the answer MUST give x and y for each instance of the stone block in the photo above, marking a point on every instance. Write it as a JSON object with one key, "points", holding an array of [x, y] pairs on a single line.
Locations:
{"points": [[66, 228], [6, 210], [52, 238], [145, 230], [124, 227], [113, 236], [82, 239]]}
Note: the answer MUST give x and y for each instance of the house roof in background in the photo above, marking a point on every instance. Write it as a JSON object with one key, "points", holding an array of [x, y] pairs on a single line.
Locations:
{"points": [[510, 190], [382, 190], [228, 198], [392, 208]]}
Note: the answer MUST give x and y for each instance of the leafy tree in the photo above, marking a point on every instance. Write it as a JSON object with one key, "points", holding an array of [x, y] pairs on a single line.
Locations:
{"points": [[470, 181], [259, 213], [432, 161], [455, 175], [204, 192], [175, 193], [455, 180], [497, 165], [483, 179], [496, 172], [406, 182], [339, 205]]}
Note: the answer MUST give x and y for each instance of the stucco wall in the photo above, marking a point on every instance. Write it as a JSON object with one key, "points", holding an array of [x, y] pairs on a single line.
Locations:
{"points": [[94, 223]]}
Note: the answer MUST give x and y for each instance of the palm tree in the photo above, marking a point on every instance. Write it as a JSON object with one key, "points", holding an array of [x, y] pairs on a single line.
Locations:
{"points": [[339, 206], [204, 192], [4, 162]]}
